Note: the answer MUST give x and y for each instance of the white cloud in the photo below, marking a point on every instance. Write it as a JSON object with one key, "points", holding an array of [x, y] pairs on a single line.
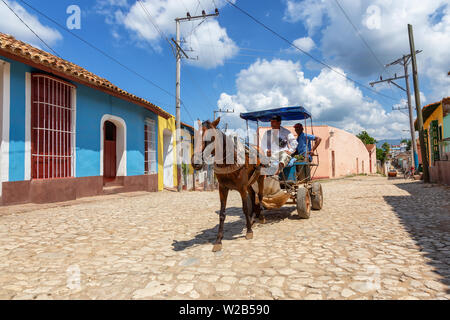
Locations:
{"points": [[211, 44], [311, 12], [332, 99], [210, 41], [383, 24], [10, 24], [305, 43]]}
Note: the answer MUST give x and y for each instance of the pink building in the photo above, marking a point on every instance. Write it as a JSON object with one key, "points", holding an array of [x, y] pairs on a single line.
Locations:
{"points": [[340, 153]]}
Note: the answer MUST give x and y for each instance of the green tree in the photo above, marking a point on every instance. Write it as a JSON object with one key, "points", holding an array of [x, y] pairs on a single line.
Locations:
{"points": [[381, 155], [386, 147], [366, 138]]}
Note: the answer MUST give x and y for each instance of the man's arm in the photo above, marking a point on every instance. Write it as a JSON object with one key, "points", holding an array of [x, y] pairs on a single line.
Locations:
{"points": [[317, 141]]}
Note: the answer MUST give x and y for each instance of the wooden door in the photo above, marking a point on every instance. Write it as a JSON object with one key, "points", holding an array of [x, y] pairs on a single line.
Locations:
{"points": [[109, 152], [333, 164]]}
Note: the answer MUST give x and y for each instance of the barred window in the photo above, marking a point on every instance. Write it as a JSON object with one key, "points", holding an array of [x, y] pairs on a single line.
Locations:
{"points": [[150, 146], [51, 124]]}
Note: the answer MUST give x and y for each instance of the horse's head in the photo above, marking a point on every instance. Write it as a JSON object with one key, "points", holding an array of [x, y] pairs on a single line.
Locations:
{"points": [[203, 127]]}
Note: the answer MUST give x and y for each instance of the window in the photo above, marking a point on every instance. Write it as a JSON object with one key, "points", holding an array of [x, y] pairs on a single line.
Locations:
{"points": [[150, 147], [51, 128]]}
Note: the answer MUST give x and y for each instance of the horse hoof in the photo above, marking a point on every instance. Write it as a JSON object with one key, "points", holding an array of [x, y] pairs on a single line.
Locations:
{"points": [[262, 220], [217, 247], [249, 236]]}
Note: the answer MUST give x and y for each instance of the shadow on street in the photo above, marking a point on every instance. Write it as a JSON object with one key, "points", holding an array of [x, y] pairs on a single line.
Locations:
{"points": [[233, 230], [425, 214]]}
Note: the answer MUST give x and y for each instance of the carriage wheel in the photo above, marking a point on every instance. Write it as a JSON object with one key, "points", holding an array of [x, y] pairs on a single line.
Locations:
{"points": [[316, 196], [303, 203]]}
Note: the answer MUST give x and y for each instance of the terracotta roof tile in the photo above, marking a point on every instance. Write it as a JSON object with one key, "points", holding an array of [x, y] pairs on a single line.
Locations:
{"points": [[25, 51]]}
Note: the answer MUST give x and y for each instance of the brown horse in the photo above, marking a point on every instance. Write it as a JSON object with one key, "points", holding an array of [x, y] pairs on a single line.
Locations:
{"points": [[235, 177]]}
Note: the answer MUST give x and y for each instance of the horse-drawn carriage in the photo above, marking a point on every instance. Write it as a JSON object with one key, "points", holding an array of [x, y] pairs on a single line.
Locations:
{"points": [[295, 181], [256, 188]]}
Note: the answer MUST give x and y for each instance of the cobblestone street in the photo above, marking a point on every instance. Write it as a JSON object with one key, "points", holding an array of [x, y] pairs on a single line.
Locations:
{"points": [[374, 239]]}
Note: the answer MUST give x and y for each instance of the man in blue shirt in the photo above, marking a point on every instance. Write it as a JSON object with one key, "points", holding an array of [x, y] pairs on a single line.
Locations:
{"points": [[304, 142]]}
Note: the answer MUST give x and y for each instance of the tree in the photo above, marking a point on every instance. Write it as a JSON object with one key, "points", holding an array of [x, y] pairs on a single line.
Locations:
{"points": [[366, 138], [383, 152], [381, 155], [386, 147]]}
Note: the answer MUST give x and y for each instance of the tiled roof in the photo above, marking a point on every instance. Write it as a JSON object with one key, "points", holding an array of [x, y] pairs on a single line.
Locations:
{"points": [[11, 47]]}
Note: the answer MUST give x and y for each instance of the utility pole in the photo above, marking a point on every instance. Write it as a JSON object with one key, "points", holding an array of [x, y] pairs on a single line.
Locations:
{"points": [[222, 111], [405, 61], [179, 50], [423, 151]]}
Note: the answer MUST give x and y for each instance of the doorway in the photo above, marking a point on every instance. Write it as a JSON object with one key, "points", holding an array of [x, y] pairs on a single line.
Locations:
{"points": [[168, 158], [109, 152], [333, 164]]}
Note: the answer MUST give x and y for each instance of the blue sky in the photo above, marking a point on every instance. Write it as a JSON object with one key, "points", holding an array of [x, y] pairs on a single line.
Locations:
{"points": [[244, 67]]}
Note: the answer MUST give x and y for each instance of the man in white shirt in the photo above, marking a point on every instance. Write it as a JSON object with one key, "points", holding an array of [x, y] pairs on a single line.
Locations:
{"points": [[278, 143]]}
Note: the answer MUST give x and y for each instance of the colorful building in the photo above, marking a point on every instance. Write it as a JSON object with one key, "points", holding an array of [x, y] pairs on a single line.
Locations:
{"points": [[436, 126], [67, 133]]}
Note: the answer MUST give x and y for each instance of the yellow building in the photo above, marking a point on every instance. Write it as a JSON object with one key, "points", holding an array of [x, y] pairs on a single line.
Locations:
{"points": [[167, 152], [433, 123], [167, 146]]}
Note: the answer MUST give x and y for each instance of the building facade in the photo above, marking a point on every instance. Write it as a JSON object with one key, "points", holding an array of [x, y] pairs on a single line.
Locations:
{"points": [[67, 133], [436, 120]]}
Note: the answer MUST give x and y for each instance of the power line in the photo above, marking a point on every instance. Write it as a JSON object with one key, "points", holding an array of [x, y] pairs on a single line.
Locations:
{"points": [[306, 53], [360, 35], [45, 43], [99, 50], [161, 33]]}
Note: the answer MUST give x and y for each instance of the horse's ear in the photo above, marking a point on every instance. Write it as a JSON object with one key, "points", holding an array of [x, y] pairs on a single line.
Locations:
{"points": [[215, 123]]}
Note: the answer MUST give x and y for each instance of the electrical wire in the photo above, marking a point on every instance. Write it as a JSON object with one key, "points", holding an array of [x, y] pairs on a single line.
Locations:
{"points": [[306, 53], [360, 35], [45, 43], [101, 51], [161, 33]]}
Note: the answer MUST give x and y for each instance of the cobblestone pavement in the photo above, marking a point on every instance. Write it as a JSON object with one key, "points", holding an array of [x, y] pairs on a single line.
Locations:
{"points": [[374, 239]]}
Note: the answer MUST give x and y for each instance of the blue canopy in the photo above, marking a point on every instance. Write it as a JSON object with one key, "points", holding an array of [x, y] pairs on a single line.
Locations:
{"points": [[287, 113]]}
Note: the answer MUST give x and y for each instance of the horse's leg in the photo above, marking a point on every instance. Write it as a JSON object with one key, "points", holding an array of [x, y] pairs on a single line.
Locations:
{"points": [[246, 209], [223, 192], [252, 195], [258, 209]]}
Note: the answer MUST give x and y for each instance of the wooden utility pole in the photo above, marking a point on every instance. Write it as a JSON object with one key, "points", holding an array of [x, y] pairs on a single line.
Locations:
{"points": [[423, 151], [405, 61], [180, 51]]}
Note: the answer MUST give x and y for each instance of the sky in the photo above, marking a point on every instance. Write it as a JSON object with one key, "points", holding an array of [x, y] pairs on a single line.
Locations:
{"points": [[237, 64]]}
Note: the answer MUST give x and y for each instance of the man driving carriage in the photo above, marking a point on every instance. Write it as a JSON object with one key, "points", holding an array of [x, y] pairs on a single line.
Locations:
{"points": [[304, 142], [279, 143]]}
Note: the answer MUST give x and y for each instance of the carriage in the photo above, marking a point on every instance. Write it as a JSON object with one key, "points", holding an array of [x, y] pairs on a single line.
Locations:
{"points": [[295, 181]]}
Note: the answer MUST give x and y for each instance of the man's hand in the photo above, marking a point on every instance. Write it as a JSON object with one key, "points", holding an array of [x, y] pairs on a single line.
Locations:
{"points": [[269, 153], [288, 152]]}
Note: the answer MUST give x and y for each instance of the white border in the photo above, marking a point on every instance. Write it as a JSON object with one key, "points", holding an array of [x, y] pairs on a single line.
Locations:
{"points": [[27, 126], [121, 140], [5, 118]]}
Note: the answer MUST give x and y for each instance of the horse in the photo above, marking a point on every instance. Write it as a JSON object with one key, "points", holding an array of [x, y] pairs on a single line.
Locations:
{"points": [[237, 177]]}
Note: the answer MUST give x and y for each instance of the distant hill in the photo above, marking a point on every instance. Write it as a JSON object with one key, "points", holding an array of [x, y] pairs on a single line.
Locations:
{"points": [[390, 141]]}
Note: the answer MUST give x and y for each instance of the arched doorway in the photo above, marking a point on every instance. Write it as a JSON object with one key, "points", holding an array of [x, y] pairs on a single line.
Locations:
{"points": [[109, 151], [168, 158], [113, 155]]}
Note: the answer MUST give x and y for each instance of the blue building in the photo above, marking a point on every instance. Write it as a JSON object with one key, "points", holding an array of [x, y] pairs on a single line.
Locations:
{"points": [[67, 133]]}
